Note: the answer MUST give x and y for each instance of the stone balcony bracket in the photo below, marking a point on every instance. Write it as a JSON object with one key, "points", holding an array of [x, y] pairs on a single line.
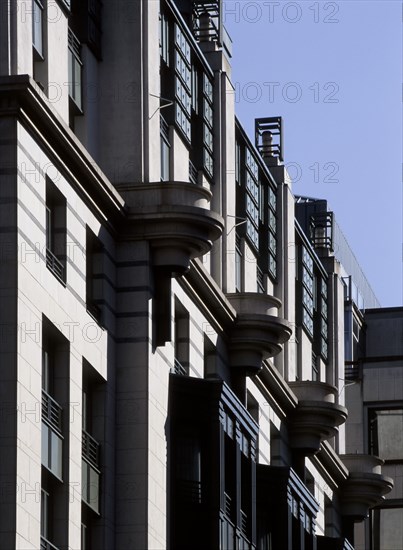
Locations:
{"points": [[175, 217], [365, 486], [258, 332], [316, 417]]}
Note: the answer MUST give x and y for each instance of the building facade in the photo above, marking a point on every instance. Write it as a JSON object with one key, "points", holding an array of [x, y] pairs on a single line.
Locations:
{"points": [[173, 350]]}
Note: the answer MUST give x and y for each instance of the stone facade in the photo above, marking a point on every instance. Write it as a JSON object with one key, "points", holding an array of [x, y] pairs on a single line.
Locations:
{"points": [[173, 350]]}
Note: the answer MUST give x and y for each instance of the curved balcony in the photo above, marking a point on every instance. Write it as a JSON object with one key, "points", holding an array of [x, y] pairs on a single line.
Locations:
{"points": [[258, 332], [175, 218], [365, 486], [316, 417]]}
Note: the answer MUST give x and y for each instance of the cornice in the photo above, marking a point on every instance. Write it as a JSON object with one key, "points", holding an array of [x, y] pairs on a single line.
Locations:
{"points": [[20, 97]]}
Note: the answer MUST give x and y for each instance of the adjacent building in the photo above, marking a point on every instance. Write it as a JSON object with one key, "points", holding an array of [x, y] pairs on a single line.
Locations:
{"points": [[179, 351]]}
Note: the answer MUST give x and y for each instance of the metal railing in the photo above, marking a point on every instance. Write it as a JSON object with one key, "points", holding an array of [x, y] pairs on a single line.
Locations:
{"points": [[227, 505], [164, 128], [190, 490], [178, 368], [321, 228], [207, 21], [193, 174], [244, 523], [90, 449], [269, 137], [51, 412], [347, 545], [46, 545], [260, 280], [55, 265]]}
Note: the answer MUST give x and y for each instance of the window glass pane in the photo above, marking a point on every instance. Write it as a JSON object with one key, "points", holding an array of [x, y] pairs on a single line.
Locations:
{"points": [[56, 454], [164, 160], [84, 480], [37, 27], [238, 269], [93, 489], [45, 445], [77, 83], [44, 514], [48, 228]]}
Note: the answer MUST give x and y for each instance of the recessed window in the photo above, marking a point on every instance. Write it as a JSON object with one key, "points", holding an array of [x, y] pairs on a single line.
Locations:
{"points": [[183, 83], [94, 275], [52, 438], [55, 231], [238, 265], [46, 509], [182, 341], [75, 73], [93, 410], [307, 291], [37, 27], [165, 150], [164, 39]]}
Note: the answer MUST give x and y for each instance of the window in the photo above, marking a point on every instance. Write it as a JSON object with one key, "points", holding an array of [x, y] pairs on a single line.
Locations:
{"points": [[46, 522], [182, 83], [210, 431], [55, 444], [386, 433], [94, 275], [260, 281], [252, 197], [307, 291], [182, 340], [55, 231], [238, 265], [272, 223], [210, 358], [52, 438], [195, 90], [164, 39], [323, 320], [238, 163], [208, 126], [75, 74], [93, 402], [315, 370], [37, 28], [165, 151], [85, 545]]}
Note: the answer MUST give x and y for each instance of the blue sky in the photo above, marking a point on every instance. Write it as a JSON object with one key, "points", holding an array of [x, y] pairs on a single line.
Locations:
{"points": [[333, 71]]}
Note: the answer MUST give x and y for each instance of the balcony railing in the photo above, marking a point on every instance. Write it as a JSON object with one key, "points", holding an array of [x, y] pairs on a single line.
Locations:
{"points": [[55, 265], [190, 490], [51, 412], [207, 21], [227, 505], [46, 545], [321, 228], [269, 137], [244, 523], [192, 173], [178, 368], [90, 449]]}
